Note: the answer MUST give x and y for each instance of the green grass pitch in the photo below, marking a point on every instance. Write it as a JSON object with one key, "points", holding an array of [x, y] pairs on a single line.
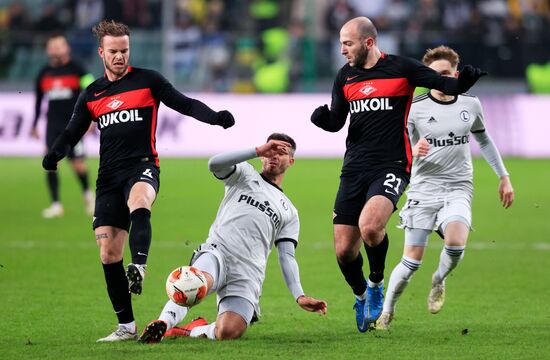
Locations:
{"points": [[54, 303]]}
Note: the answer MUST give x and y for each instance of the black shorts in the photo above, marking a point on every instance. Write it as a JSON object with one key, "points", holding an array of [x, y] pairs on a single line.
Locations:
{"points": [[113, 189], [355, 190]]}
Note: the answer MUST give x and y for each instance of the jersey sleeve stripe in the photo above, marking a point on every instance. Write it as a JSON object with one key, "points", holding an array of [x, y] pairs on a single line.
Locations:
{"points": [[287, 239], [478, 131], [228, 175]]}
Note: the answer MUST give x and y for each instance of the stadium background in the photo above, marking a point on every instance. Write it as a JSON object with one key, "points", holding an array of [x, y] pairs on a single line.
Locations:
{"points": [[271, 63]]}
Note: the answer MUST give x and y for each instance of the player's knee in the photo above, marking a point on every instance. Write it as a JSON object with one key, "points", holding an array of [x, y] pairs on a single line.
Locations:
{"points": [[345, 253], [371, 233], [229, 332], [109, 256], [139, 202]]}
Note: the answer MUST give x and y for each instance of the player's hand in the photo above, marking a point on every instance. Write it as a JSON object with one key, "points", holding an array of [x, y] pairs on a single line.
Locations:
{"points": [[273, 147], [506, 192], [50, 161], [421, 148], [225, 119], [469, 75], [34, 133], [312, 305], [320, 116]]}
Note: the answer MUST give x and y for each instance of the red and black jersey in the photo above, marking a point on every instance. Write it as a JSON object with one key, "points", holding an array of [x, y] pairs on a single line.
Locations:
{"points": [[378, 100], [126, 114], [61, 86]]}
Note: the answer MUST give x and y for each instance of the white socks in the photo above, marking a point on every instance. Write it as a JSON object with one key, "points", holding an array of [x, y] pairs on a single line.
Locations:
{"points": [[208, 330], [448, 260], [130, 327], [173, 313], [399, 280]]}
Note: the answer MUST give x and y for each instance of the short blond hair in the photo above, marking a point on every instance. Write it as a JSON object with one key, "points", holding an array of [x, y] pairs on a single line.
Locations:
{"points": [[441, 53], [111, 28]]}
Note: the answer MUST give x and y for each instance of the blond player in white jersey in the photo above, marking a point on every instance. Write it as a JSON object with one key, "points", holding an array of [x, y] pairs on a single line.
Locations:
{"points": [[254, 215], [441, 188]]}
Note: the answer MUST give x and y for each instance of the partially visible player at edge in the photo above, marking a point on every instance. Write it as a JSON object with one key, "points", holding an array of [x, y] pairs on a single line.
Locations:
{"points": [[376, 89], [253, 216], [60, 81], [124, 103], [440, 195]]}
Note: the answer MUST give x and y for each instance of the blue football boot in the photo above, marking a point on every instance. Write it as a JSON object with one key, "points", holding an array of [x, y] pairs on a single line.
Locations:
{"points": [[375, 300], [360, 311]]}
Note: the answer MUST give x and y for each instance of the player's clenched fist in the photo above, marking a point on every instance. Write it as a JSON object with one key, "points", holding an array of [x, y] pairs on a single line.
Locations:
{"points": [[225, 119], [320, 115]]}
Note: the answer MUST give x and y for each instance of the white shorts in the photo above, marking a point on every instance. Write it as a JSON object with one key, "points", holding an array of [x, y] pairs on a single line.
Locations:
{"points": [[231, 284], [432, 213]]}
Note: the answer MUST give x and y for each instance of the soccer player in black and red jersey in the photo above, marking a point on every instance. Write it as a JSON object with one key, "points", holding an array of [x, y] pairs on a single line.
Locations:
{"points": [[60, 81], [377, 90], [124, 103]]}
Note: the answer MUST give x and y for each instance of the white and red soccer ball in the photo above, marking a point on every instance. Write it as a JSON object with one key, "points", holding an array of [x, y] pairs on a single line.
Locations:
{"points": [[186, 286]]}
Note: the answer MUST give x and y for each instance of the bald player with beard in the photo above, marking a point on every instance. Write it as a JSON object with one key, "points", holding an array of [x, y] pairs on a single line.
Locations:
{"points": [[376, 90]]}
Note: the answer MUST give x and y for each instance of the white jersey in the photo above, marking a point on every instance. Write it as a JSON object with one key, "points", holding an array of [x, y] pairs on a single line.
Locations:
{"points": [[252, 216], [447, 127]]}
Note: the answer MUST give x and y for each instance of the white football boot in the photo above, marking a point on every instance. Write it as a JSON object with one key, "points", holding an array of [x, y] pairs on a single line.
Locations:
{"points": [[383, 322], [436, 299], [55, 210], [120, 334]]}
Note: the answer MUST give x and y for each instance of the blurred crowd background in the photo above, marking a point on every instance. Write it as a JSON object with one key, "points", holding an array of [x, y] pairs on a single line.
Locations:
{"points": [[268, 46]]}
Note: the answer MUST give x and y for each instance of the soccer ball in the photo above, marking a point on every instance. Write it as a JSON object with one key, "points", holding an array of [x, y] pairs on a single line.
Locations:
{"points": [[186, 286]]}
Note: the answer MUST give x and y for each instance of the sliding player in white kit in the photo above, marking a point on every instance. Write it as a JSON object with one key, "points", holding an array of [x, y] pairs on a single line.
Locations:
{"points": [[254, 215], [440, 193]]}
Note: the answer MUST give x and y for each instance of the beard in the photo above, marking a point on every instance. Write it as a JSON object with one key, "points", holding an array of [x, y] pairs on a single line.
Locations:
{"points": [[114, 71], [361, 58]]}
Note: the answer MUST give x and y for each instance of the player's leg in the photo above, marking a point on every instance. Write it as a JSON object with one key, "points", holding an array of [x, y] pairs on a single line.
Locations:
{"points": [[455, 234], [455, 222], [55, 209], [234, 316], [382, 196], [172, 314], [52, 180], [141, 196], [347, 243], [416, 241], [111, 247], [77, 158], [372, 223]]}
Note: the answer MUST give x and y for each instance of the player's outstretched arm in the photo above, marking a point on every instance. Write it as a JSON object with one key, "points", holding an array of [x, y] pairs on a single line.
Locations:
{"points": [[492, 156], [174, 99], [223, 164], [423, 76], [291, 275]]}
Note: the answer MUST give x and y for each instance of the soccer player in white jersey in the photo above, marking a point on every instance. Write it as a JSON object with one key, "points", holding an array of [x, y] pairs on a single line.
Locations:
{"points": [[253, 216], [440, 193]]}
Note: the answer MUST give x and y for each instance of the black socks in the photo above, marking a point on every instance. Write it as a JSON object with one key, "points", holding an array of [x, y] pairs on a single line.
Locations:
{"points": [[377, 259], [140, 235], [117, 287], [353, 273], [53, 185]]}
